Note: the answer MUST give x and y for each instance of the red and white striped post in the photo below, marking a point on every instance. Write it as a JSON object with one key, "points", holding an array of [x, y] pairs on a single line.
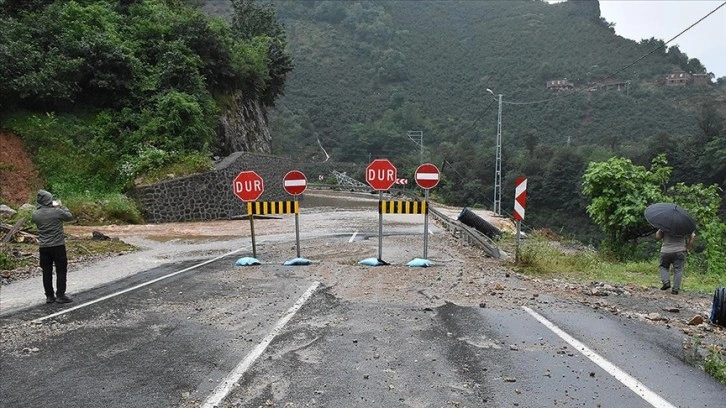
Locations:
{"points": [[520, 202]]}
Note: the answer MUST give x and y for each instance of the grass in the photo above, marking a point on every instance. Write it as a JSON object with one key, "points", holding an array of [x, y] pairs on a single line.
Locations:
{"points": [[75, 248], [111, 208], [715, 364], [542, 256], [97, 209]]}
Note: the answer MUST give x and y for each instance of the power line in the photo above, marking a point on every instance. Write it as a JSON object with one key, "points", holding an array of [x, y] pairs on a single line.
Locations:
{"points": [[577, 91], [447, 163], [481, 115], [568, 94]]}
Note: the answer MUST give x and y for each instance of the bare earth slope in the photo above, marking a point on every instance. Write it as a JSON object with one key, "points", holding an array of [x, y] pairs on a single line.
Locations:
{"points": [[18, 176]]}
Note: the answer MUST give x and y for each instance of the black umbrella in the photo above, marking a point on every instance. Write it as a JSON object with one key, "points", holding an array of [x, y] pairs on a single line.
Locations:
{"points": [[670, 218]]}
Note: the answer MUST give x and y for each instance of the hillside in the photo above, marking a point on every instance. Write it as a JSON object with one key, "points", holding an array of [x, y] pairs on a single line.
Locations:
{"points": [[368, 72], [105, 93], [442, 56]]}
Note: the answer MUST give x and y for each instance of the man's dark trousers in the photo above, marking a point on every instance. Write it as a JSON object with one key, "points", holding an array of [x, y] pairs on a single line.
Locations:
{"points": [[49, 256]]}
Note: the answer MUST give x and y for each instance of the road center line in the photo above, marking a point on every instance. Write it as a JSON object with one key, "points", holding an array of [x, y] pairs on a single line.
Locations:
{"points": [[230, 381], [625, 378], [352, 237], [64, 311]]}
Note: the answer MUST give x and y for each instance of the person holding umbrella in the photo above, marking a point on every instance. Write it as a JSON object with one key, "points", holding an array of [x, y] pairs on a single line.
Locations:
{"points": [[677, 230], [673, 253]]}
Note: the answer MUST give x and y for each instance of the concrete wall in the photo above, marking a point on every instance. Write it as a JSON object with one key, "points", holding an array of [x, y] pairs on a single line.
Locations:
{"points": [[209, 196]]}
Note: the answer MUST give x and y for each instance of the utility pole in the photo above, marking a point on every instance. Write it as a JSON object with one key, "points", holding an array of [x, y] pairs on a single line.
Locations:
{"points": [[498, 161], [416, 136]]}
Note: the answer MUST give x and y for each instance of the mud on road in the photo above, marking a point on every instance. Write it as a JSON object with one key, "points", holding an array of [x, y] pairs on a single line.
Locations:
{"points": [[337, 238]]}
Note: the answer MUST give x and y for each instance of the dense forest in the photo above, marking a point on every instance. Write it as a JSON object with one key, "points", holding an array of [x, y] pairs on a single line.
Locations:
{"points": [[104, 92], [368, 72]]}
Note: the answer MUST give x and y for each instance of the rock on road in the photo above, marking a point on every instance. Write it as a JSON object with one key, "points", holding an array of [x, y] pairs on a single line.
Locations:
{"points": [[454, 334]]}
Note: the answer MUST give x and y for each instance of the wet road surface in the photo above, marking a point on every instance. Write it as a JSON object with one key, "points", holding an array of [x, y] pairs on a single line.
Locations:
{"points": [[334, 334]]}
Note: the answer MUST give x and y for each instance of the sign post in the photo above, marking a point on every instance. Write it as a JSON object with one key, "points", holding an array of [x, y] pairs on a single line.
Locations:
{"points": [[380, 175], [427, 177], [295, 184], [520, 202], [249, 186]]}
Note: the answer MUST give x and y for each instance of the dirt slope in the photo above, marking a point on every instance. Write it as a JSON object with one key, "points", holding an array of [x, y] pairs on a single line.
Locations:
{"points": [[18, 176]]}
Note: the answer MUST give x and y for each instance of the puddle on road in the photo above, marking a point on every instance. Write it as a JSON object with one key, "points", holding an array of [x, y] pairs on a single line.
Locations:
{"points": [[317, 212]]}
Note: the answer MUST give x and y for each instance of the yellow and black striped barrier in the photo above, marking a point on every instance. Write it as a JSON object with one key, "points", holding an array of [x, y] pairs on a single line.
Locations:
{"points": [[273, 207], [402, 207]]}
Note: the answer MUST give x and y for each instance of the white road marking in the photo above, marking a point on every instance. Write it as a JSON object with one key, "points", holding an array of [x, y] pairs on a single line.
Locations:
{"points": [[64, 311], [352, 237], [625, 378], [230, 381]]}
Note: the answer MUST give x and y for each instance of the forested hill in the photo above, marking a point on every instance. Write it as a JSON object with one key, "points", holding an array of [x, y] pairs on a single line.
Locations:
{"points": [[367, 72]]}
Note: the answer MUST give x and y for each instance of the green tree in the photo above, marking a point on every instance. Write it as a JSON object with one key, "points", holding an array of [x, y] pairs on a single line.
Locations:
{"points": [[121, 78], [619, 192], [703, 204], [254, 21], [710, 145]]}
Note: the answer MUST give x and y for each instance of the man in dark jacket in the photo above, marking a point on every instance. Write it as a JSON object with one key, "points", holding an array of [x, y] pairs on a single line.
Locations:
{"points": [[49, 216]]}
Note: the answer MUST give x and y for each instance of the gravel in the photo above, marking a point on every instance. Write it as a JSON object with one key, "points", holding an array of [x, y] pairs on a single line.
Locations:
{"points": [[461, 274]]}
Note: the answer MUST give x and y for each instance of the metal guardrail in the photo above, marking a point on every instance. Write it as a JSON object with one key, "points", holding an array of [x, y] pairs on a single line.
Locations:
{"points": [[469, 235], [460, 231]]}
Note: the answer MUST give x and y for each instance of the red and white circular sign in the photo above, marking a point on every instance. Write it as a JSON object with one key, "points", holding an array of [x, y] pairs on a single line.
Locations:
{"points": [[427, 176], [248, 186], [294, 182], [381, 174]]}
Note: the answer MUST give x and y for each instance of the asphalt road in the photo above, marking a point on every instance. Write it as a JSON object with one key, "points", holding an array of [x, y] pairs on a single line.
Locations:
{"points": [[206, 333]]}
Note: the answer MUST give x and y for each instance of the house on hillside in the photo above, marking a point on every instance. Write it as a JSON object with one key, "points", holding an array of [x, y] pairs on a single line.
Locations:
{"points": [[684, 78], [558, 85], [701, 79], [677, 79]]}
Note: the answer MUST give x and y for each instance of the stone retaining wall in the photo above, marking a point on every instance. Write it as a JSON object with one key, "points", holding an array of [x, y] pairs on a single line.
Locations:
{"points": [[209, 196]]}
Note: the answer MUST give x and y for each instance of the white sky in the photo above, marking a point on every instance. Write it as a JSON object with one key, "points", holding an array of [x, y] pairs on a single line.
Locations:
{"points": [[639, 19]]}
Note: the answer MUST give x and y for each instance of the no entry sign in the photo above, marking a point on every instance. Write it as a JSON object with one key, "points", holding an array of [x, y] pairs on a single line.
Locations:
{"points": [[294, 182], [248, 186], [381, 174], [427, 176]]}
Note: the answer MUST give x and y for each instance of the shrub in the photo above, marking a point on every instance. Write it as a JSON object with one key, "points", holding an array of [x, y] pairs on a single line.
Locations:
{"points": [[715, 364], [6, 260], [109, 208]]}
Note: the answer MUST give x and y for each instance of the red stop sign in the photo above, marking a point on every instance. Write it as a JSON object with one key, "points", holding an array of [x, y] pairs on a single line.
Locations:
{"points": [[294, 182], [381, 174], [427, 176], [248, 186]]}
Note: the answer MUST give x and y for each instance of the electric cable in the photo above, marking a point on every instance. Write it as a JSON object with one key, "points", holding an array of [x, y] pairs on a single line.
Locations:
{"points": [[577, 91]]}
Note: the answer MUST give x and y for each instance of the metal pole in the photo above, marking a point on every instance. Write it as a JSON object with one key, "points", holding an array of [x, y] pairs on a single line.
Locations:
{"points": [[252, 233], [297, 230], [416, 136], [420, 155], [517, 253], [498, 164], [426, 225], [380, 226]]}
